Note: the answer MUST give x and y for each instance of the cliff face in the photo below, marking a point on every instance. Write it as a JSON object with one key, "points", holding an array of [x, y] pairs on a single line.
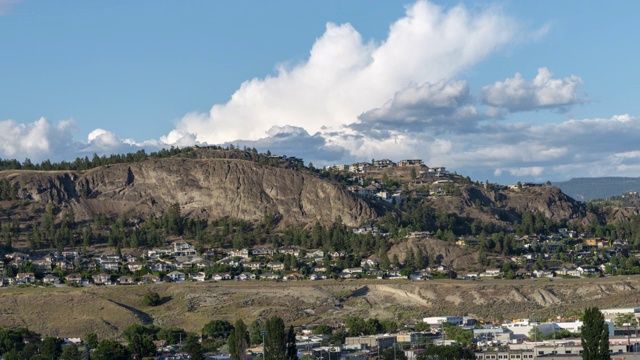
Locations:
{"points": [[505, 205], [204, 188]]}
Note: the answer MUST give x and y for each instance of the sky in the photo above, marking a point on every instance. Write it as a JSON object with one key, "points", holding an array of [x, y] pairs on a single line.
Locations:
{"points": [[500, 90]]}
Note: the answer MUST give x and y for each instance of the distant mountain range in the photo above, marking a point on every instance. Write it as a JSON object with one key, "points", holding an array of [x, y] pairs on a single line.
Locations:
{"points": [[585, 189]]}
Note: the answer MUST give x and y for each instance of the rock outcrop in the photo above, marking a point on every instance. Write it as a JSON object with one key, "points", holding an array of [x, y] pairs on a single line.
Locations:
{"points": [[204, 188]]}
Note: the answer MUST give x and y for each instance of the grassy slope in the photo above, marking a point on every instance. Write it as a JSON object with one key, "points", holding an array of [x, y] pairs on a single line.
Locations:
{"points": [[108, 310]]}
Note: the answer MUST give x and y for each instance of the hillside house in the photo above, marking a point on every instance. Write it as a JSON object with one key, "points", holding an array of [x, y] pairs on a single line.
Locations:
{"points": [[176, 276], [410, 162], [25, 278], [74, 279], [50, 280], [150, 278], [135, 266], [383, 163], [126, 280], [199, 276], [102, 279]]}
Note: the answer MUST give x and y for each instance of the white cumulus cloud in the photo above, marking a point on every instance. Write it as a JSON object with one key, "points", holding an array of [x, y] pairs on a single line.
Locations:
{"points": [[516, 94], [345, 76]]}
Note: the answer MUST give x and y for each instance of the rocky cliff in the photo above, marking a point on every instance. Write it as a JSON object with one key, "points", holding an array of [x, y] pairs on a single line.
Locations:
{"points": [[204, 188]]}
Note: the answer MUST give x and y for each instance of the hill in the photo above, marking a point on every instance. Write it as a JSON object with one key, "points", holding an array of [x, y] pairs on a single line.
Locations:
{"points": [[207, 188], [68, 312], [585, 189]]}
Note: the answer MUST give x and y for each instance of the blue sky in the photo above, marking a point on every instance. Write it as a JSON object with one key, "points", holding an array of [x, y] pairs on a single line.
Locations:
{"points": [[498, 90]]}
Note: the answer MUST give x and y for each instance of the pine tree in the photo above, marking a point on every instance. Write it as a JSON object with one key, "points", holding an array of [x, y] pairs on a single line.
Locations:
{"points": [[275, 345], [595, 335], [292, 350], [238, 341]]}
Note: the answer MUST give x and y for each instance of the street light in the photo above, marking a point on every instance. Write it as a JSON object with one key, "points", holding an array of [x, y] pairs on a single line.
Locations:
{"points": [[264, 355]]}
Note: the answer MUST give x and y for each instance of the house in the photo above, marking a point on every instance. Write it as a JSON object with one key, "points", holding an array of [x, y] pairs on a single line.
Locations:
{"points": [[383, 163], [17, 255], [318, 254], [150, 278], [245, 276], [543, 274], [587, 270], [200, 263], [275, 266], [420, 275], [370, 263], [293, 277], [74, 279], [90, 265], [110, 265], [253, 265], [159, 267], [25, 278], [199, 276], [5, 281], [491, 273], [50, 280], [243, 253], [221, 276], [65, 265], [289, 251], [228, 261], [352, 271], [42, 265], [181, 248], [176, 276], [270, 276], [102, 279], [135, 266], [410, 162], [262, 251], [349, 275], [126, 280]]}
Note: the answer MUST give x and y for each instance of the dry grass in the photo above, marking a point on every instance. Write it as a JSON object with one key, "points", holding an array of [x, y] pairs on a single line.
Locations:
{"points": [[108, 310]]}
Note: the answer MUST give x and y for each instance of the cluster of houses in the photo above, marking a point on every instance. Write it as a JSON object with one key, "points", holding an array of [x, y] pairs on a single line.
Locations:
{"points": [[508, 340], [376, 190], [180, 261]]}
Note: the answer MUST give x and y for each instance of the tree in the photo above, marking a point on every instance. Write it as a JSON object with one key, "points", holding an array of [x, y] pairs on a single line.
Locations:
{"points": [[91, 340], [110, 350], [151, 298], [274, 343], [238, 341], [70, 352], [216, 329], [141, 345], [51, 348], [292, 350], [595, 335], [447, 353], [193, 347], [392, 353], [627, 320]]}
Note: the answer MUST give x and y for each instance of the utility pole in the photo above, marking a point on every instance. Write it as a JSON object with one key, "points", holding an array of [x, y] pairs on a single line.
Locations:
{"points": [[264, 352]]}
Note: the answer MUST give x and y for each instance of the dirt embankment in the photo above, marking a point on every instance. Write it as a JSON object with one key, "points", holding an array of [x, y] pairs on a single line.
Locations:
{"points": [[107, 311]]}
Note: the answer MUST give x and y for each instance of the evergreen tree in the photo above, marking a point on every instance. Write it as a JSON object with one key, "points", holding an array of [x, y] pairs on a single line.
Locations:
{"points": [[70, 352], [595, 335], [292, 351], [238, 341], [275, 345]]}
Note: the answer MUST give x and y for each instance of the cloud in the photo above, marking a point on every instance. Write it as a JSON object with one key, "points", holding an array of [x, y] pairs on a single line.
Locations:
{"points": [[34, 140], [296, 141], [6, 6], [345, 76], [516, 94], [443, 105]]}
